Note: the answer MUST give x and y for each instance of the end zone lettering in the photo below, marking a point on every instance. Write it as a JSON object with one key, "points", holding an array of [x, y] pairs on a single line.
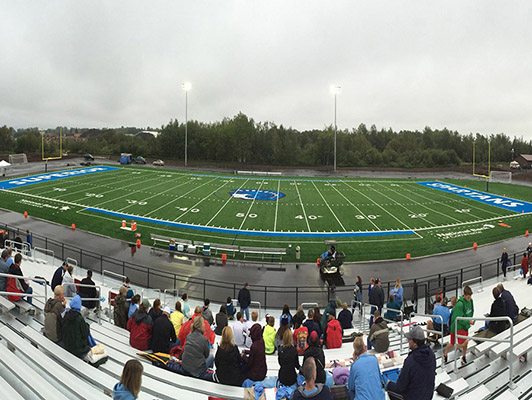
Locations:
{"points": [[486, 198], [53, 176]]}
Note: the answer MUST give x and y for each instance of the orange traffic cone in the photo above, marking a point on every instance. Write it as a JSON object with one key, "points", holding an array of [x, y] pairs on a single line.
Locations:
{"points": [[224, 258], [73, 227], [26, 214], [138, 243], [526, 233], [475, 246], [408, 256]]}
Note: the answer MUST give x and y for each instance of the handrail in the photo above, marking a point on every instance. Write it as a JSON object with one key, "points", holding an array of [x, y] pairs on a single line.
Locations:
{"points": [[30, 278], [46, 252], [111, 306], [304, 305], [430, 330], [170, 290], [111, 273], [88, 298], [510, 340], [146, 289], [25, 246], [402, 323], [260, 306], [478, 278], [72, 261]]}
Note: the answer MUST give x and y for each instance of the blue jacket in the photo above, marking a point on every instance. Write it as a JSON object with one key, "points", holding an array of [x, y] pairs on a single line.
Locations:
{"points": [[416, 381], [444, 312], [398, 294], [121, 393], [132, 309], [365, 379]]}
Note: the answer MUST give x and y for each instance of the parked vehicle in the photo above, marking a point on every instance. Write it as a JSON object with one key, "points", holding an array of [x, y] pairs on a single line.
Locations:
{"points": [[88, 157], [159, 163], [140, 160], [514, 165]]}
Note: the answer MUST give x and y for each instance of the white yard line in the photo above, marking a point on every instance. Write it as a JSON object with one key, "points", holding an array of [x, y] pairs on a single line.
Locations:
{"points": [[358, 209], [45, 198], [277, 205], [112, 190], [419, 204], [253, 202], [228, 200], [302, 207], [329, 207], [205, 198], [378, 205]]}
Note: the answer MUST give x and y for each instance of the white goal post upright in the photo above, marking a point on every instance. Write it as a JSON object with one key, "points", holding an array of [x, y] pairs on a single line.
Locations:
{"points": [[501, 176], [18, 158]]}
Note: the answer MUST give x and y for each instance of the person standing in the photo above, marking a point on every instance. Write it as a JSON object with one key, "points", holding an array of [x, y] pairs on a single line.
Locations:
{"points": [[524, 265], [512, 309], [68, 283], [121, 308], [244, 298], [376, 299], [504, 262], [358, 295], [57, 279], [464, 308], [418, 375], [529, 250], [365, 378], [28, 238]]}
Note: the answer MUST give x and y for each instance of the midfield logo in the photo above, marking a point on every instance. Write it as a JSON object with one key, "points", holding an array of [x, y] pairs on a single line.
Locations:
{"points": [[256, 194]]}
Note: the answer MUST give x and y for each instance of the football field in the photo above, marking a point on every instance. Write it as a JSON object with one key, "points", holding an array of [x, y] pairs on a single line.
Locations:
{"points": [[369, 218]]}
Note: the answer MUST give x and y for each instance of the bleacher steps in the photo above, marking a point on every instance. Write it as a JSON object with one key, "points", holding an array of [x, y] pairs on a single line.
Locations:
{"points": [[8, 392]]}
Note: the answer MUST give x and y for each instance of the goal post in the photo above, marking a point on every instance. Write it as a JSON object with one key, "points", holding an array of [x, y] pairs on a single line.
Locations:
{"points": [[18, 158], [501, 176]]}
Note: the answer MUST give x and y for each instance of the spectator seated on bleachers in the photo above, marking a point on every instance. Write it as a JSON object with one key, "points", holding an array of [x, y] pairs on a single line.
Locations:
{"points": [[397, 292], [268, 334], [435, 324], [196, 354], [206, 313], [228, 361], [4, 269], [140, 327], [239, 330], [249, 324], [70, 289], [88, 292], [155, 311], [417, 377], [134, 306], [177, 317], [75, 330], [221, 320], [286, 314], [18, 285], [394, 305], [164, 337], [334, 333], [345, 317], [121, 308], [310, 324], [379, 335], [230, 309], [512, 310], [365, 378], [53, 319], [300, 338], [498, 309], [255, 357], [186, 328], [310, 389], [130, 382], [288, 360], [315, 351], [298, 317]]}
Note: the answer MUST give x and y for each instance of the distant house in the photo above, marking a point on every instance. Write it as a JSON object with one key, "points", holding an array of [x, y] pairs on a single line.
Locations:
{"points": [[146, 135], [524, 160]]}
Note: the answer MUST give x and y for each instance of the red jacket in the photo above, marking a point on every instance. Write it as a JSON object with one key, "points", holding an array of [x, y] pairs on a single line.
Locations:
{"points": [[15, 285], [524, 265], [334, 334], [140, 327], [187, 327]]}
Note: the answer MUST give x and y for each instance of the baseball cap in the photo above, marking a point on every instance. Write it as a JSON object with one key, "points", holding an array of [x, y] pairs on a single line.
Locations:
{"points": [[167, 310], [415, 333], [145, 303]]}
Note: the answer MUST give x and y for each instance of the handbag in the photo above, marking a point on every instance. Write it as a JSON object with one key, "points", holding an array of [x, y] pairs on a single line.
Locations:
{"points": [[444, 390], [96, 356]]}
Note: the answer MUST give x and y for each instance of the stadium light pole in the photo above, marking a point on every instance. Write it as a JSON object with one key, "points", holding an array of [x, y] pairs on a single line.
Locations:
{"points": [[336, 90], [186, 87]]}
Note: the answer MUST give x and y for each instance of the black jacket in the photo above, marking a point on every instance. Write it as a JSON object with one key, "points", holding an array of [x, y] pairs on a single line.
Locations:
{"points": [[221, 323], [228, 368], [511, 307], [319, 357], [498, 309], [416, 380], [244, 298], [504, 260], [163, 335], [288, 361], [88, 293], [312, 325], [345, 317], [57, 279], [376, 297]]}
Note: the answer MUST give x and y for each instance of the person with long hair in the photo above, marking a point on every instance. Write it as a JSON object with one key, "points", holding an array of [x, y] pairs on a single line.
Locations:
{"points": [[177, 317], [358, 295], [315, 351], [288, 360], [283, 326], [397, 291], [228, 360], [187, 312], [286, 312], [130, 382], [156, 311], [221, 320], [317, 319]]}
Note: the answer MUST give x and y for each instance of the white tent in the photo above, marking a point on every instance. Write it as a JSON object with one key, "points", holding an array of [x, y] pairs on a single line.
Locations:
{"points": [[4, 166]]}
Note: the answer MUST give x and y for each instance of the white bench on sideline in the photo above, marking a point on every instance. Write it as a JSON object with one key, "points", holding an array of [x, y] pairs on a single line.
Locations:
{"points": [[49, 366], [263, 251], [91, 374]]}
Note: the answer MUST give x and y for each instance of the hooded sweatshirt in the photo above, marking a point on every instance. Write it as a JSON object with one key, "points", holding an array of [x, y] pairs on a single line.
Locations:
{"points": [[334, 334], [321, 392], [269, 339], [379, 332], [53, 322], [121, 393], [416, 381], [463, 308], [140, 326], [256, 356], [75, 330], [121, 309], [186, 328]]}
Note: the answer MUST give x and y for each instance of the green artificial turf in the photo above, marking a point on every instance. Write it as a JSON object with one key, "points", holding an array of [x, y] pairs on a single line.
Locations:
{"points": [[442, 222]]}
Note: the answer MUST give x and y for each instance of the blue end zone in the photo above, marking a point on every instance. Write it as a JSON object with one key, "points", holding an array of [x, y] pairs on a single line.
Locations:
{"points": [[250, 233], [517, 206], [20, 182]]}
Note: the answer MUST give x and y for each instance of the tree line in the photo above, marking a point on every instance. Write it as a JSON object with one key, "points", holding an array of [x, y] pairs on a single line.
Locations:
{"points": [[242, 140]]}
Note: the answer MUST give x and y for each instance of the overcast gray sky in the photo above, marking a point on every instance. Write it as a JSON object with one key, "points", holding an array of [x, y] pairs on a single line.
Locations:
{"points": [[464, 65]]}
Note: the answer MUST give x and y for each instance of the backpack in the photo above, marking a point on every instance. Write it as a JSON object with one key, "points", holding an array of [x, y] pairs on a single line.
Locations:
{"points": [[301, 340]]}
